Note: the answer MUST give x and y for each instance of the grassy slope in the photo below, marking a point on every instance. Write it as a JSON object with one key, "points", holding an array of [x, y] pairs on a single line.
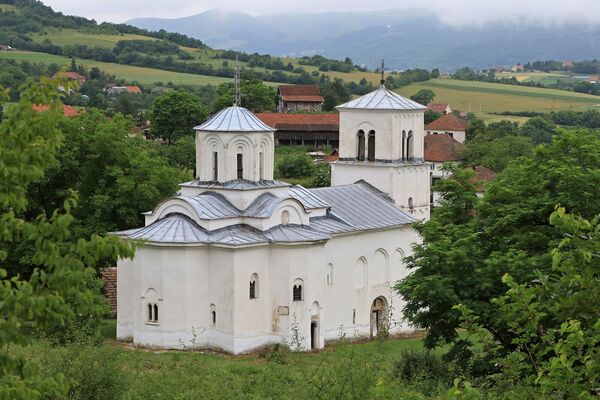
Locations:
{"points": [[64, 37], [483, 98], [187, 375], [142, 75]]}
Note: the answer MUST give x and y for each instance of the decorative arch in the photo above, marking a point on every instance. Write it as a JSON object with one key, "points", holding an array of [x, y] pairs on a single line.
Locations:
{"points": [[379, 271], [399, 263], [379, 316], [329, 274], [360, 273], [315, 325]]}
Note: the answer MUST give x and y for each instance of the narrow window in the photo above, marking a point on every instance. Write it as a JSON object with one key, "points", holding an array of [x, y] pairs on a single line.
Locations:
{"points": [[403, 152], [213, 317], [354, 316], [240, 166], [329, 275], [297, 292], [409, 146], [411, 206], [215, 166], [149, 312], [155, 313], [371, 145], [361, 145], [252, 290], [261, 165]]}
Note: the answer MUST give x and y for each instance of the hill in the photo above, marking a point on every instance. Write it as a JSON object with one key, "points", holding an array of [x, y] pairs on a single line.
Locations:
{"points": [[404, 39], [484, 98]]}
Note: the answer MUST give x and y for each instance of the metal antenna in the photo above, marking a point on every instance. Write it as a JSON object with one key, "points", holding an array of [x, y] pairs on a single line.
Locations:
{"points": [[236, 83], [382, 81]]}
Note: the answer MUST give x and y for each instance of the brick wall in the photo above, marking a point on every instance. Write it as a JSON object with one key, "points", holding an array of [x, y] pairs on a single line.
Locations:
{"points": [[109, 276]]}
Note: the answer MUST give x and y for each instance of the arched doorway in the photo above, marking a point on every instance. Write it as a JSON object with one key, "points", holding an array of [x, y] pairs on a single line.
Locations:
{"points": [[379, 316], [315, 338]]}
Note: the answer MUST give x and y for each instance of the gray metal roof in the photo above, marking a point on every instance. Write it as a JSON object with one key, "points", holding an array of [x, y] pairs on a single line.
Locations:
{"points": [[382, 99], [309, 200], [210, 205], [234, 119], [359, 206], [237, 184]]}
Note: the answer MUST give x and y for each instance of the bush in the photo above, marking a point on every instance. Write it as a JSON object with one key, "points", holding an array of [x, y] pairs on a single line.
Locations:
{"points": [[295, 166], [322, 176], [415, 365]]}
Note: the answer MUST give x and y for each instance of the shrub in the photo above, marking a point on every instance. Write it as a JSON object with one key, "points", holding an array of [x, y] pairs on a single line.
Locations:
{"points": [[295, 166], [415, 365], [322, 176]]}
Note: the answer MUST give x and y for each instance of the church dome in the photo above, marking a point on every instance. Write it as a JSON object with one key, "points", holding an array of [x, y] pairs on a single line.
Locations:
{"points": [[382, 99], [234, 119]]}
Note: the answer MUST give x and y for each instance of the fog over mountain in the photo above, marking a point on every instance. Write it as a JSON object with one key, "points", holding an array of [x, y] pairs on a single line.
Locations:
{"points": [[405, 39]]}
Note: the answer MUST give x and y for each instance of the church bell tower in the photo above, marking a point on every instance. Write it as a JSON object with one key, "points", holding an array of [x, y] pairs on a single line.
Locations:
{"points": [[382, 142]]}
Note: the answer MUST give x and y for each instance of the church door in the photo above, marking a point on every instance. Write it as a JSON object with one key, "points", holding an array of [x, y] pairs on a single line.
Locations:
{"points": [[314, 335]]}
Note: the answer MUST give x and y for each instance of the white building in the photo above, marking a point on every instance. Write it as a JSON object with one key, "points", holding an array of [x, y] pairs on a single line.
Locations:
{"points": [[382, 142], [237, 261], [449, 125]]}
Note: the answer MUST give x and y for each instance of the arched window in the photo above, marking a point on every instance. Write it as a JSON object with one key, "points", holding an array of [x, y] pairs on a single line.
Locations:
{"points": [[261, 165], [361, 145], [409, 145], [297, 293], [329, 275], [371, 146], [254, 286], [150, 319], [152, 312], [411, 205], [213, 315], [240, 166], [215, 166], [156, 313], [403, 150]]}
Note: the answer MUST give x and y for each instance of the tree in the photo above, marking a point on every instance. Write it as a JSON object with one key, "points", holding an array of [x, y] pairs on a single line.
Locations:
{"points": [[58, 290], [174, 114], [467, 249], [496, 154], [435, 73], [73, 65], [423, 96], [334, 92], [431, 116], [255, 96], [539, 130]]}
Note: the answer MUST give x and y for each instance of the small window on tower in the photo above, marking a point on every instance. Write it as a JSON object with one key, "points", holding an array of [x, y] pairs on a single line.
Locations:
{"points": [[240, 166], [215, 166]]}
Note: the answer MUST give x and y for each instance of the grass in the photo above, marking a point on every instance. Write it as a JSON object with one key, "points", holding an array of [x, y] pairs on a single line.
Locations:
{"points": [[130, 73], [146, 374], [67, 37], [484, 98]]}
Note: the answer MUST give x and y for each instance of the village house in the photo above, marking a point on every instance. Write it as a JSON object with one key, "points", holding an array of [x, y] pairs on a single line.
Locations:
{"points": [[517, 68], [6, 47], [71, 76], [440, 108], [440, 149], [116, 90], [299, 98], [304, 129], [237, 260], [593, 79], [449, 125]]}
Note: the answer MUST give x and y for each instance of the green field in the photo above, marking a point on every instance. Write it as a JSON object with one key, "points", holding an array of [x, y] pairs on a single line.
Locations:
{"points": [[130, 73], [350, 369], [66, 37], [484, 98]]}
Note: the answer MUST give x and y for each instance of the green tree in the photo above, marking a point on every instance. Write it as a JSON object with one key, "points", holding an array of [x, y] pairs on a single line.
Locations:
{"points": [[255, 96], [423, 96], [174, 114], [467, 249], [539, 130], [334, 92], [431, 116], [28, 143], [496, 154]]}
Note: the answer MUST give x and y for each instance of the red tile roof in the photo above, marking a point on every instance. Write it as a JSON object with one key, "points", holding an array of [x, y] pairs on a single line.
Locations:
{"points": [[448, 122], [307, 93], [442, 148], [334, 156], [304, 122], [133, 89], [69, 75], [438, 107], [483, 175], [68, 111]]}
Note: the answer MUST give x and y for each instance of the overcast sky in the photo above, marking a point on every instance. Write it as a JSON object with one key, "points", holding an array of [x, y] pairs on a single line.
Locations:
{"points": [[455, 12]]}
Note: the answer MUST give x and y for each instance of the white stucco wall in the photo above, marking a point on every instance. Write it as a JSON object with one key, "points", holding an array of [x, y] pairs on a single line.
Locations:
{"points": [[189, 279]]}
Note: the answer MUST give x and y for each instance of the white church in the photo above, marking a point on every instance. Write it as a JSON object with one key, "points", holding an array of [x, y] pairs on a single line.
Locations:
{"points": [[236, 260]]}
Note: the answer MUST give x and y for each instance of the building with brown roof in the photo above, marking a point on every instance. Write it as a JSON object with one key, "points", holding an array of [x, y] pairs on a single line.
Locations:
{"points": [[68, 111], [115, 90], [299, 98], [482, 177], [71, 76], [440, 108], [449, 125], [304, 129], [440, 149]]}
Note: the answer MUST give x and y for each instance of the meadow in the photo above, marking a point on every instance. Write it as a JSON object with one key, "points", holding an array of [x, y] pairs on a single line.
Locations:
{"points": [[120, 370], [484, 98], [142, 75]]}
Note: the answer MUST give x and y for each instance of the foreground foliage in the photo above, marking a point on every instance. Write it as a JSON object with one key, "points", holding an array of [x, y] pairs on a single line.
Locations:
{"points": [[60, 289]]}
